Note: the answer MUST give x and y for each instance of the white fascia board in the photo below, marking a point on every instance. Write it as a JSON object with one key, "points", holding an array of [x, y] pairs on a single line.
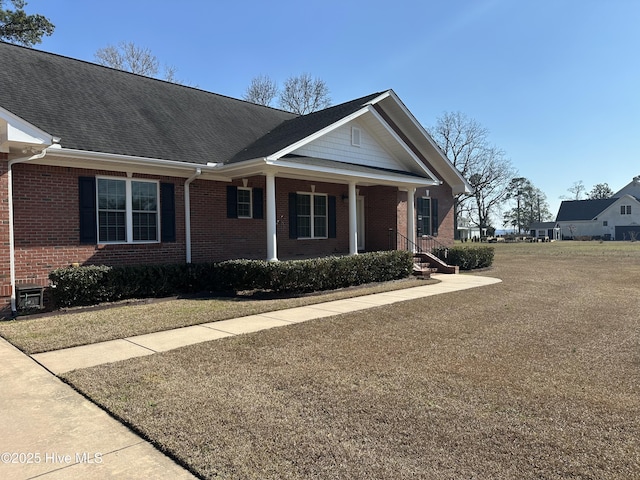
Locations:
{"points": [[123, 161], [397, 138], [14, 129], [444, 158], [318, 134], [623, 200], [346, 176]]}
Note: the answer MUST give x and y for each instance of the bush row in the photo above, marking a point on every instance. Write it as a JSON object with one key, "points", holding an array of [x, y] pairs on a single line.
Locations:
{"points": [[467, 258], [89, 285]]}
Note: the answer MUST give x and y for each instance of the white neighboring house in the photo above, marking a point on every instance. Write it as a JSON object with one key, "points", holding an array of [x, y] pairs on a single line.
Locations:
{"points": [[615, 218], [545, 231], [467, 231]]}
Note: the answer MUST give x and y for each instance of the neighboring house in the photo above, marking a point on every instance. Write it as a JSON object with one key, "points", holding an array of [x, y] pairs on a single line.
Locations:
{"points": [[100, 166], [615, 218], [545, 231], [468, 231]]}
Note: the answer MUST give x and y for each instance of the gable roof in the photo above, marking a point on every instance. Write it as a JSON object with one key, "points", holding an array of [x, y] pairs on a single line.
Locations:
{"points": [[571, 210], [103, 114], [101, 109], [296, 129]]}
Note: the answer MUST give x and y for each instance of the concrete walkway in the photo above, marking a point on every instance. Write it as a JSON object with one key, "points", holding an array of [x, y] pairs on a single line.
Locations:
{"points": [[49, 431], [61, 361]]}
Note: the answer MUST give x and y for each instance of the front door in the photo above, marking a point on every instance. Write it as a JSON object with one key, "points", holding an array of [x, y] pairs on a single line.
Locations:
{"points": [[360, 221]]}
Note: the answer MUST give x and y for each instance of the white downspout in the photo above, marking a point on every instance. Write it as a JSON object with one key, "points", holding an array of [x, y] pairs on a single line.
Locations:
{"points": [[12, 250], [187, 212]]}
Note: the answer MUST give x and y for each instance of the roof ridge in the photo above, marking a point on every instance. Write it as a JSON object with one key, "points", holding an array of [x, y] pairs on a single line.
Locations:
{"points": [[138, 75]]}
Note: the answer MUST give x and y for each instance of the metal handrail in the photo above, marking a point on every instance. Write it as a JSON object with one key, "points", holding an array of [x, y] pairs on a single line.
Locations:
{"points": [[427, 243]]}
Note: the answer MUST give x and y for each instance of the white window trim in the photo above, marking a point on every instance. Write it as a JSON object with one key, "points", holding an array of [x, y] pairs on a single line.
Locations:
{"points": [[625, 209], [312, 195], [250, 190], [419, 214], [128, 211], [356, 136]]}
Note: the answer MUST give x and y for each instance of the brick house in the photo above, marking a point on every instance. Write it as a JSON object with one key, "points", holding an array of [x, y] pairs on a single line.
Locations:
{"points": [[100, 166]]}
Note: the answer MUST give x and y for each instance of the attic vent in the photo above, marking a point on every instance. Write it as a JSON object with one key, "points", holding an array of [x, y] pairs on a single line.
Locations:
{"points": [[355, 136]]}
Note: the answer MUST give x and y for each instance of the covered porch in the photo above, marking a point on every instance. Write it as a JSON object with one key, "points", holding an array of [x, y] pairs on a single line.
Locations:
{"points": [[316, 207]]}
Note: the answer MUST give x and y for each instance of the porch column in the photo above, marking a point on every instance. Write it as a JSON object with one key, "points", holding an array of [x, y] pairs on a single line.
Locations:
{"points": [[411, 219], [353, 220], [272, 240]]}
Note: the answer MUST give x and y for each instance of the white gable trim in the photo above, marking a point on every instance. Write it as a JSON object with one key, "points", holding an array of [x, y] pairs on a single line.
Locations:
{"points": [[318, 134], [17, 132], [426, 135], [397, 138]]}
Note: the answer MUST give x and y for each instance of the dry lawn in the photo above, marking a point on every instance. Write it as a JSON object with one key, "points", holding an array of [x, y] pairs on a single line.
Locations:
{"points": [[536, 377], [42, 333]]}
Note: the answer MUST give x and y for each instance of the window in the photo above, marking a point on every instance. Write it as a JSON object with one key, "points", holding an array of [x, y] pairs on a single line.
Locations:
{"points": [[244, 203], [427, 213], [127, 210], [625, 209], [311, 215], [355, 136], [605, 223]]}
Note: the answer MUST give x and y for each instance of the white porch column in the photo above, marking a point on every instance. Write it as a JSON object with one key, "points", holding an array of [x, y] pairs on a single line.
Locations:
{"points": [[272, 240], [411, 218], [353, 220]]}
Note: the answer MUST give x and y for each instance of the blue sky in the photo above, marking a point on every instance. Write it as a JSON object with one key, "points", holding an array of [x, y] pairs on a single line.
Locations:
{"points": [[556, 82]]}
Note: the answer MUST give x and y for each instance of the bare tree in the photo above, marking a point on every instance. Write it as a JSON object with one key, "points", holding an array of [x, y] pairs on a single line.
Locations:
{"points": [[465, 143], [576, 190], [490, 183], [18, 27], [304, 94], [600, 190], [262, 90], [129, 57]]}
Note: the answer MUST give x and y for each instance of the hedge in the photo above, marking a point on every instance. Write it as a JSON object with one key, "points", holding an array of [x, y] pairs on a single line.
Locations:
{"points": [[467, 258], [89, 285]]}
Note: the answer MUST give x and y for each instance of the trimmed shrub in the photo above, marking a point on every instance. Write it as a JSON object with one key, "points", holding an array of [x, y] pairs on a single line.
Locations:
{"points": [[75, 286], [467, 258], [80, 285]]}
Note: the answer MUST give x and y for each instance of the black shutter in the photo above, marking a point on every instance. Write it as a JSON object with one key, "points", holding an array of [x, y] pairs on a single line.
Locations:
{"points": [[434, 217], [87, 200], [232, 201], [332, 216], [419, 221], [293, 215], [258, 202], [167, 212]]}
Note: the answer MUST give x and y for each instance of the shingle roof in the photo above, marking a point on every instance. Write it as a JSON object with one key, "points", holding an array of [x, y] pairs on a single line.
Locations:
{"points": [[582, 209], [100, 109], [298, 128]]}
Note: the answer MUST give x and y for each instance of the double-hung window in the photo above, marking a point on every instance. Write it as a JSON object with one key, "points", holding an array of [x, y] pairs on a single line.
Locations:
{"points": [[244, 203], [127, 210], [312, 215], [625, 209]]}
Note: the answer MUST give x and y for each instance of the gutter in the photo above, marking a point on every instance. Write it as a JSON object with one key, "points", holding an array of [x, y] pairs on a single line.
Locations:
{"points": [[187, 212], [12, 259]]}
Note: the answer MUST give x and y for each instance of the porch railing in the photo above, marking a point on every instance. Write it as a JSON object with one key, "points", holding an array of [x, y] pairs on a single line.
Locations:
{"points": [[424, 244]]}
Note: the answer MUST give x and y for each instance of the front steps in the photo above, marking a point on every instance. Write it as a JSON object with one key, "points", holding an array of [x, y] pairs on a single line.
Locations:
{"points": [[424, 264]]}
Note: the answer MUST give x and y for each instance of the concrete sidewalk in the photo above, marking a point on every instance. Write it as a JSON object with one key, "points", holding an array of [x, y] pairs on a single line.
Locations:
{"points": [[61, 361], [49, 430]]}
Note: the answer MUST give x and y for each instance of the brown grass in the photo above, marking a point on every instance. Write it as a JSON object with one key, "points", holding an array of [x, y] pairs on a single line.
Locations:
{"points": [[536, 377], [82, 326]]}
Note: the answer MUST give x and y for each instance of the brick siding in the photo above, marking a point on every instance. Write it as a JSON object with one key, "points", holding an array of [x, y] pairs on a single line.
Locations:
{"points": [[46, 223]]}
